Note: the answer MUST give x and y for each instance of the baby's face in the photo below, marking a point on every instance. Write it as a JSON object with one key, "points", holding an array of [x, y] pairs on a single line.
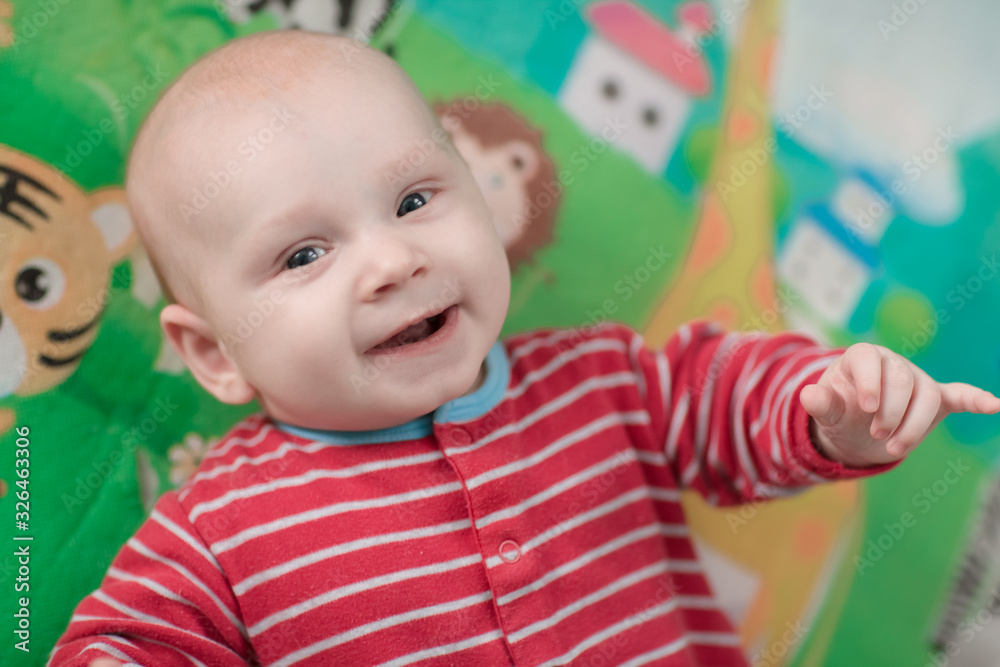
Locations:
{"points": [[353, 222]]}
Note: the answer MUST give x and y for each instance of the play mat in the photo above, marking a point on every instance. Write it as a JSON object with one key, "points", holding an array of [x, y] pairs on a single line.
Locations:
{"points": [[826, 165]]}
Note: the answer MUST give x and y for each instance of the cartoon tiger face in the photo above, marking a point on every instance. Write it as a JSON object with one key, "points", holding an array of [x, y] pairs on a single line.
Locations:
{"points": [[57, 245]]}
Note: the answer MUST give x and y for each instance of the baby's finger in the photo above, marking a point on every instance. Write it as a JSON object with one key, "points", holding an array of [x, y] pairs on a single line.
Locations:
{"points": [[962, 397], [822, 403], [920, 417], [862, 365], [897, 387]]}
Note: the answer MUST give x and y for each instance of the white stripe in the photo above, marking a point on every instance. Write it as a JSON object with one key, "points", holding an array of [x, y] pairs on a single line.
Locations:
{"points": [[215, 453], [347, 547], [676, 425], [152, 620], [615, 586], [703, 420], [534, 344], [777, 382], [749, 378], [114, 651], [331, 510], [598, 552], [164, 521], [135, 544], [639, 493], [630, 622], [382, 624], [557, 446], [364, 585], [155, 586], [651, 458], [635, 346], [602, 382], [671, 495], [554, 490], [684, 333], [709, 638], [612, 630], [252, 423], [195, 661], [447, 649], [306, 478], [551, 339], [782, 436], [666, 379], [556, 363]]}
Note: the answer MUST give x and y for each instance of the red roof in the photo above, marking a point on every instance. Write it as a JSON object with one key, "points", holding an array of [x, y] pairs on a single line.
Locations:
{"points": [[651, 42]]}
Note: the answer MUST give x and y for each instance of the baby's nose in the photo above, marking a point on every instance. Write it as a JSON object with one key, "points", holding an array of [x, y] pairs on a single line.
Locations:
{"points": [[391, 263]]}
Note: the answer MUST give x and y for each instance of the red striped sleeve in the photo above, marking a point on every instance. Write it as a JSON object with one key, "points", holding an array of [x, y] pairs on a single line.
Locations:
{"points": [[725, 412], [164, 601]]}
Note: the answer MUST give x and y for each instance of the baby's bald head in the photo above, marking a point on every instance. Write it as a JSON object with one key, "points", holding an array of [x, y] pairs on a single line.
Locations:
{"points": [[178, 147]]}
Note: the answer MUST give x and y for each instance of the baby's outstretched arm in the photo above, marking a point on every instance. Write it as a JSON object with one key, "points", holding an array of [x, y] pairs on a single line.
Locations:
{"points": [[874, 406]]}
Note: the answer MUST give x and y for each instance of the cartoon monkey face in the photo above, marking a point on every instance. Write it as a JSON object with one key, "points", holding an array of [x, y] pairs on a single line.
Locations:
{"points": [[57, 245], [503, 173], [515, 174]]}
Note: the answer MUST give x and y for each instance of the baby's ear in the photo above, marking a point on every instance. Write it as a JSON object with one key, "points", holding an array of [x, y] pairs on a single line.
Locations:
{"points": [[197, 345]]}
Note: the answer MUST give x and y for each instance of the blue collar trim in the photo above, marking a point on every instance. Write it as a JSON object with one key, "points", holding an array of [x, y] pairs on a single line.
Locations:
{"points": [[463, 408]]}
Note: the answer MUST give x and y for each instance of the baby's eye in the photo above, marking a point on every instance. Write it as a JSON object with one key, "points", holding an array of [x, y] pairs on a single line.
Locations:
{"points": [[413, 201], [304, 256]]}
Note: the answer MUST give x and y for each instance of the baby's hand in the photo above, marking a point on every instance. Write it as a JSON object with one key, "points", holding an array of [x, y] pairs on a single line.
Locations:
{"points": [[873, 406], [105, 662]]}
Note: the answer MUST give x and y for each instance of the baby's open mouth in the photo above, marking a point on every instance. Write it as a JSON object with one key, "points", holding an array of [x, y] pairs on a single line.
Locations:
{"points": [[415, 332]]}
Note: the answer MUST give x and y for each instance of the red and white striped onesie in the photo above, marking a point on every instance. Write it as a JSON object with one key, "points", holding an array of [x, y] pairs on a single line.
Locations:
{"points": [[535, 521]]}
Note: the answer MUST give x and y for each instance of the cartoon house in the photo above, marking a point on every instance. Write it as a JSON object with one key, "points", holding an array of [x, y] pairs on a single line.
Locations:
{"points": [[633, 70], [831, 256]]}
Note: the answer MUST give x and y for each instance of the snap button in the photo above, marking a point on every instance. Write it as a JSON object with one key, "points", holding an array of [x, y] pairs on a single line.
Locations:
{"points": [[510, 551], [460, 436]]}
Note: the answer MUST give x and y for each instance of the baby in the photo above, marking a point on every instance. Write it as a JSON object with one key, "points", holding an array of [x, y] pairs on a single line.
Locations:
{"points": [[416, 491]]}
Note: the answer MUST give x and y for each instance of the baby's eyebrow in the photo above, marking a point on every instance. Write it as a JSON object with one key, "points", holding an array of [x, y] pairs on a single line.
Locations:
{"points": [[260, 238], [412, 162]]}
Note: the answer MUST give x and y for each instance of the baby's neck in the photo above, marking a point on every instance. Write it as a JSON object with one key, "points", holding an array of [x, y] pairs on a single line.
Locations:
{"points": [[479, 380]]}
